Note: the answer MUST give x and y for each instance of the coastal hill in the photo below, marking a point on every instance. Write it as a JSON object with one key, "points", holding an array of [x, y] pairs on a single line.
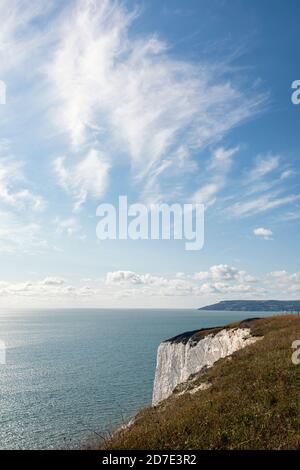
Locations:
{"points": [[247, 400], [255, 305]]}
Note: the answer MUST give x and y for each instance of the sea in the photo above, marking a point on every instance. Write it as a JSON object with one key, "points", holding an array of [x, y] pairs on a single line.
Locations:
{"points": [[71, 376]]}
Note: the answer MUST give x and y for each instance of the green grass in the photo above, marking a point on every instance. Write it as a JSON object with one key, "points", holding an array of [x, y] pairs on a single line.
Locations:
{"points": [[253, 403]]}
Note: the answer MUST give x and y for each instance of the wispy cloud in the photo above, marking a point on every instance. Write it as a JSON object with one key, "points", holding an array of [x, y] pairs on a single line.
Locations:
{"points": [[14, 187], [207, 193], [128, 91], [70, 226], [20, 236], [287, 174], [218, 168], [263, 166], [264, 188], [19, 35], [86, 178], [222, 159], [261, 204], [20, 207], [12, 190]]}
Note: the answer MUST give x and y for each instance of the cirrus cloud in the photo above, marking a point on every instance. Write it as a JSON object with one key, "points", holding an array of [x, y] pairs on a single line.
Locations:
{"points": [[127, 91], [88, 177]]}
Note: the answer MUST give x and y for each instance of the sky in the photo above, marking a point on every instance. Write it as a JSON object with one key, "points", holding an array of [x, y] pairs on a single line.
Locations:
{"points": [[164, 102]]}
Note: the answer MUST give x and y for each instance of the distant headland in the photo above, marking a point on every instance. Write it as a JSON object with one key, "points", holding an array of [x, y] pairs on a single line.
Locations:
{"points": [[256, 305]]}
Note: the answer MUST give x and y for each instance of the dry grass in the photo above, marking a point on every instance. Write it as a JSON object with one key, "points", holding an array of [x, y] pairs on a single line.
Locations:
{"points": [[253, 403]]}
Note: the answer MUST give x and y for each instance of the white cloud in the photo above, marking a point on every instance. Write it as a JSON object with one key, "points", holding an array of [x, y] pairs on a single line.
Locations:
{"points": [[224, 279], [180, 275], [86, 178], [291, 215], [261, 204], [17, 235], [119, 277], [263, 189], [223, 272], [207, 194], [53, 281], [287, 174], [128, 91], [148, 284], [263, 166], [284, 277], [19, 207], [222, 158], [12, 190], [264, 233], [219, 282], [19, 35], [239, 288], [46, 288], [288, 283], [71, 226], [220, 164]]}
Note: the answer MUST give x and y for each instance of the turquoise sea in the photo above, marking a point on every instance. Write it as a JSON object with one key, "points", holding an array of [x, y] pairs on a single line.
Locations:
{"points": [[70, 374]]}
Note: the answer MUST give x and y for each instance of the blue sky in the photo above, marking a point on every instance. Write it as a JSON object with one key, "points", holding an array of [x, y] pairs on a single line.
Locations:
{"points": [[164, 101]]}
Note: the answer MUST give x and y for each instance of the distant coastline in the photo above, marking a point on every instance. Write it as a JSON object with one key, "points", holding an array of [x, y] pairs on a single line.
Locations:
{"points": [[256, 306]]}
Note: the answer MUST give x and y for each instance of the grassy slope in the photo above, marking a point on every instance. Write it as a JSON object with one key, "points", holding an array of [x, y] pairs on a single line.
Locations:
{"points": [[253, 403]]}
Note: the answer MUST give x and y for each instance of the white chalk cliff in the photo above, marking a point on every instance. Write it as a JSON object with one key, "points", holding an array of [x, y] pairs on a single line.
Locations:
{"points": [[187, 354]]}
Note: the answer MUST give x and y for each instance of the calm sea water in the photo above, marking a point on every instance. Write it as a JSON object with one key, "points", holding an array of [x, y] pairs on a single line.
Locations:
{"points": [[71, 373]]}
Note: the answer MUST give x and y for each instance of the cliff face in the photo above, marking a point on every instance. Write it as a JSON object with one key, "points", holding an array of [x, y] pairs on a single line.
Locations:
{"points": [[187, 354]]}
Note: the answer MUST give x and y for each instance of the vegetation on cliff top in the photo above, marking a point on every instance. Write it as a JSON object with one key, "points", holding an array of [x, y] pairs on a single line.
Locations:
{"points": [[253, 401]]}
